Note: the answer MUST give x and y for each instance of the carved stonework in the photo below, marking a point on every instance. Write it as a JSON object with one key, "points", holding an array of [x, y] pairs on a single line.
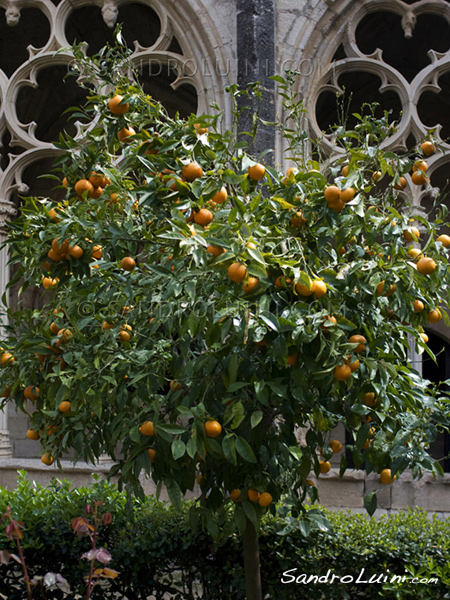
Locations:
{"points": [[12, 13], [110, 12]]}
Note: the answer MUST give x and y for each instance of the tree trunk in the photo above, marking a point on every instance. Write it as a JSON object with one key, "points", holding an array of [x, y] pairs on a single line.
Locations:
{"points": [[251, 563]]}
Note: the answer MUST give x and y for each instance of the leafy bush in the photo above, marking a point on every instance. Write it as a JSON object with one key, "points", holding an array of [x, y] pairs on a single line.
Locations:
{"points": [[156, 550]]}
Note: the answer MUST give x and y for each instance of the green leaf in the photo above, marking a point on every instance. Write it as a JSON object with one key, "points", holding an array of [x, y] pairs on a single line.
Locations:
{"points": [[244, 449], [178, 449], [174, 492], [256, 418], [229, 449], [256, 255], [370, 502]]}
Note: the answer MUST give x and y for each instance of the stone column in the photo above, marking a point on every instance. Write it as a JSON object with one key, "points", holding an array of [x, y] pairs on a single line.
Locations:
{"points": [[7, 211], [256, 62]]}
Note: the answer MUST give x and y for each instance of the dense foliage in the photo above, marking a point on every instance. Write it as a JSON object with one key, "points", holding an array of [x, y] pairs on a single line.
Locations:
{"points": [[201, 307], [155, 550]]}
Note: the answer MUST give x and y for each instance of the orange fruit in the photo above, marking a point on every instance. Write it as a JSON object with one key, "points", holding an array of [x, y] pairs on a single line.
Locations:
{"points": [[348, 194], [98, 191], [125, 134], [377, 175], [191, 171], [203, 217], [336, 446], [97, 252], [249, 285], [319, 288], [408, 234], [327, 321], [235, 495], [414, 252], [265, 499], [401, 184], [175, 385], [426, 266], [418, 306], [434, 316], [49, 283], [32, 434], [325, 466], [282, 282], [200, 129], [253, 495], [66, 335], [418, 178], [54, 255], [354, 366], [221, 196], [337, 206], [128, 263], [342, 372], [53, 215], [257, 172], [31, 393], [115, 106], [76, 251], [292, 359], [386, 476], [47, 459], [332, 194], [391, 290], [303, 289], [82, 186], [213, 429], [424, 337], [344, 171], [428, 148], [298, 220], [216, 251], [420, 165], [152, 454], [124, 336], [237, 272], [6, 359], [64, 407], [369, 399], [98, 180], [54, 328], [445, 240], [107, 325], [60, 249], [360, 340], [147, 428]]}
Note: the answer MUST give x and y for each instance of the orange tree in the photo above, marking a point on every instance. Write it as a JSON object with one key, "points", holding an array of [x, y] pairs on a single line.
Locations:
{"points": [[201, 308]]}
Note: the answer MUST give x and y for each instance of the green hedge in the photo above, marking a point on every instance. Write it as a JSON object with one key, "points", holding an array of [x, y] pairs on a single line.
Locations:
{"points": [[155, 550]]}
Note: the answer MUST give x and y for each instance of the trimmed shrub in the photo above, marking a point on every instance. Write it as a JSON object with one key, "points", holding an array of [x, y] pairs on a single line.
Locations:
{"points": [[156, 551]]}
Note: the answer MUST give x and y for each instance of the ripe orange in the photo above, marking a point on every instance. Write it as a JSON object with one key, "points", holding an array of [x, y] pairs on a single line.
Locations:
{"points": [[332, 194], [418, 306], [377, 175], [147, 428], [203, 217], [282, 282], [426, 266], [292, 359], [31, 393], [298, 220], [200, 129], [115, 106], [360, 340], [152, 454], [348, 194], [32, 434], [428, 148], [216, 251], [235, 495], [53, 215], [253, 495], [342, 372], [401, 185], [221, 196], [354, 366], [213, 429], [98, 191], [66, 335], [76, 251], [175, 385], [6, 359], [414, 252], [60, 248], [325, 466], [344, 171], [319, 288], [47, 459], [424, 337], [64, 407], [49, 283], [257, 172], [386, 476], [303, 289], [434, 316], [336, 446], [125, 134], [54, 328], [191, 171], [369, 399], [420, 165], [337, 206], [418, 178], [54, 255], [380, 289], [265, 499], [128, 263], [445, 240], [97, 252], [237, 272], [249, 285], [82, 186], [107, 325], [325, 326], [98, 180], [408, 234], [124, 336]]}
